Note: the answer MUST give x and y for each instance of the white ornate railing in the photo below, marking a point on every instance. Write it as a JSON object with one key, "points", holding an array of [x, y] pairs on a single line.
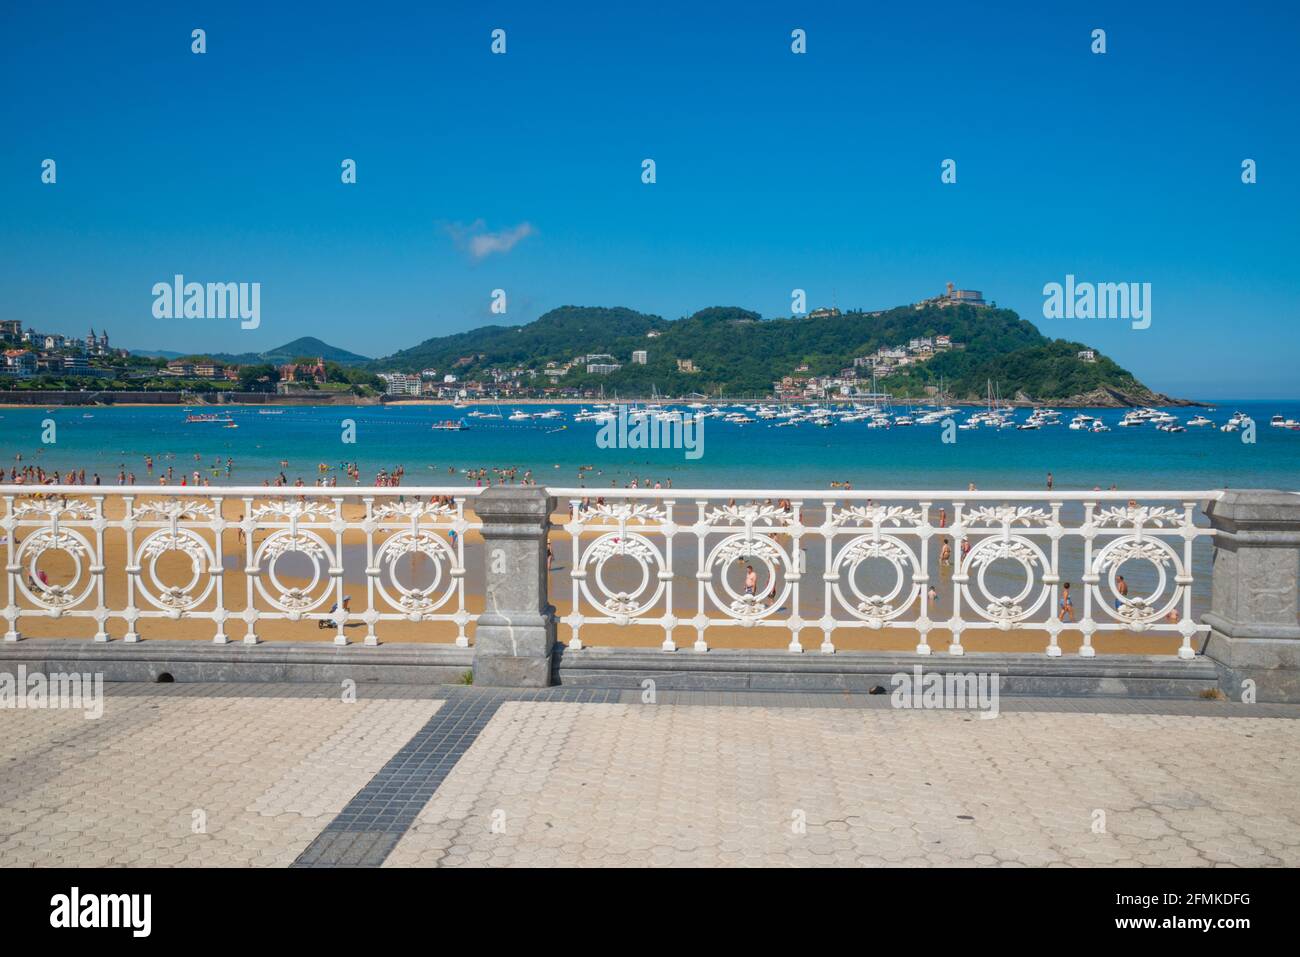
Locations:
{"points": [[810, 559], [675, 560], [150, 523]]}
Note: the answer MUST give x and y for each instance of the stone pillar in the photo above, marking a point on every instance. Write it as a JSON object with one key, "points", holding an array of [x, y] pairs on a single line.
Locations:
{"points": [[1254, 635], [515, 635]]}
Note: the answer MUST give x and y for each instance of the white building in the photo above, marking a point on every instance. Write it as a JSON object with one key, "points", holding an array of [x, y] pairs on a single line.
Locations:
{"points": [[399, 383], [639, 357]]}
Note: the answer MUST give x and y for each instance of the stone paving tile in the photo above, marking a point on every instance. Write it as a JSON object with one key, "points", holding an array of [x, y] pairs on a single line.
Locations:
{"points": [[287, 773], [556, 784], [386, 806], [185, 780]]}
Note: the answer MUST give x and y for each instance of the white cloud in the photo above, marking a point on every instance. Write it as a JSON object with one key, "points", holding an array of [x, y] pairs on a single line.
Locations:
{"points": [[480, 243]]}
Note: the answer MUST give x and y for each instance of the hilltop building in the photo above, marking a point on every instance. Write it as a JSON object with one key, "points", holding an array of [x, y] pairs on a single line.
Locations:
{"points": [[954, 297], [97, 345]]}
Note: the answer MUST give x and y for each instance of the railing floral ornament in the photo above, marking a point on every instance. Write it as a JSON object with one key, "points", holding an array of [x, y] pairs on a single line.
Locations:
{"points": [[433, 531], [168, 536], [297, 528], [173, 560], [40, 525], [1145, 534], [939, 562], [620, 541], [990, 528], [886, 541]]}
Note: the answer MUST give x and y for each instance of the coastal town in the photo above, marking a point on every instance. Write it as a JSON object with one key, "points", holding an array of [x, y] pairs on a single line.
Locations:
{"points": [[36, 360]]}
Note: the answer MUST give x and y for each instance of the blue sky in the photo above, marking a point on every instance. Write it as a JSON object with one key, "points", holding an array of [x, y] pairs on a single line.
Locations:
{"points": [[775, 171]]}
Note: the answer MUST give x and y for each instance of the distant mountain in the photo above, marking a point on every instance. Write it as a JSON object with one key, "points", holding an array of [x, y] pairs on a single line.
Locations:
{"points": [[156, 354], [306, 346], [735, 351]]}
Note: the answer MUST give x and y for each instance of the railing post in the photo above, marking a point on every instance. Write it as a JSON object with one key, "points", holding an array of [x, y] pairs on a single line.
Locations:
{"points": [[1254, 636], [515, 635]]}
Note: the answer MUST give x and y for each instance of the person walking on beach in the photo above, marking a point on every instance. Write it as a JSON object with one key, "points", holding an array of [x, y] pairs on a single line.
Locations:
{"points": [[945, 554], [1121, 586], [943, 517], [1067, 607], [751, 580], [1049, 481]]}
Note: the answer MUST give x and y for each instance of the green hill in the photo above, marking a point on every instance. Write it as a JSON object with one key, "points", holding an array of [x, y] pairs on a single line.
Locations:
{"points": [[559, 335], [311, 346], [736, 351]]}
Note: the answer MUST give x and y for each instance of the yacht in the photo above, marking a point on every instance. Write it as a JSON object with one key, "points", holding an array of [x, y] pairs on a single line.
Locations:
{"points": [[1199, 422], [1236, 422]]}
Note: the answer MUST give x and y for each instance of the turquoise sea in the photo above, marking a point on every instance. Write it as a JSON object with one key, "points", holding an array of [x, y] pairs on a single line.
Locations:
{"points": [[755, 456]]}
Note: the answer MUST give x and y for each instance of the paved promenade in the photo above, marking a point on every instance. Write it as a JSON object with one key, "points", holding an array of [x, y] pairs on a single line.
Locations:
{"points": [[280, 775]]}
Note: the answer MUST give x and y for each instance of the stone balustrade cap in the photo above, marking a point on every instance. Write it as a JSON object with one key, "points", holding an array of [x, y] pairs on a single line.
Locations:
{"points": [[1254, 508], [507, 503]]}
